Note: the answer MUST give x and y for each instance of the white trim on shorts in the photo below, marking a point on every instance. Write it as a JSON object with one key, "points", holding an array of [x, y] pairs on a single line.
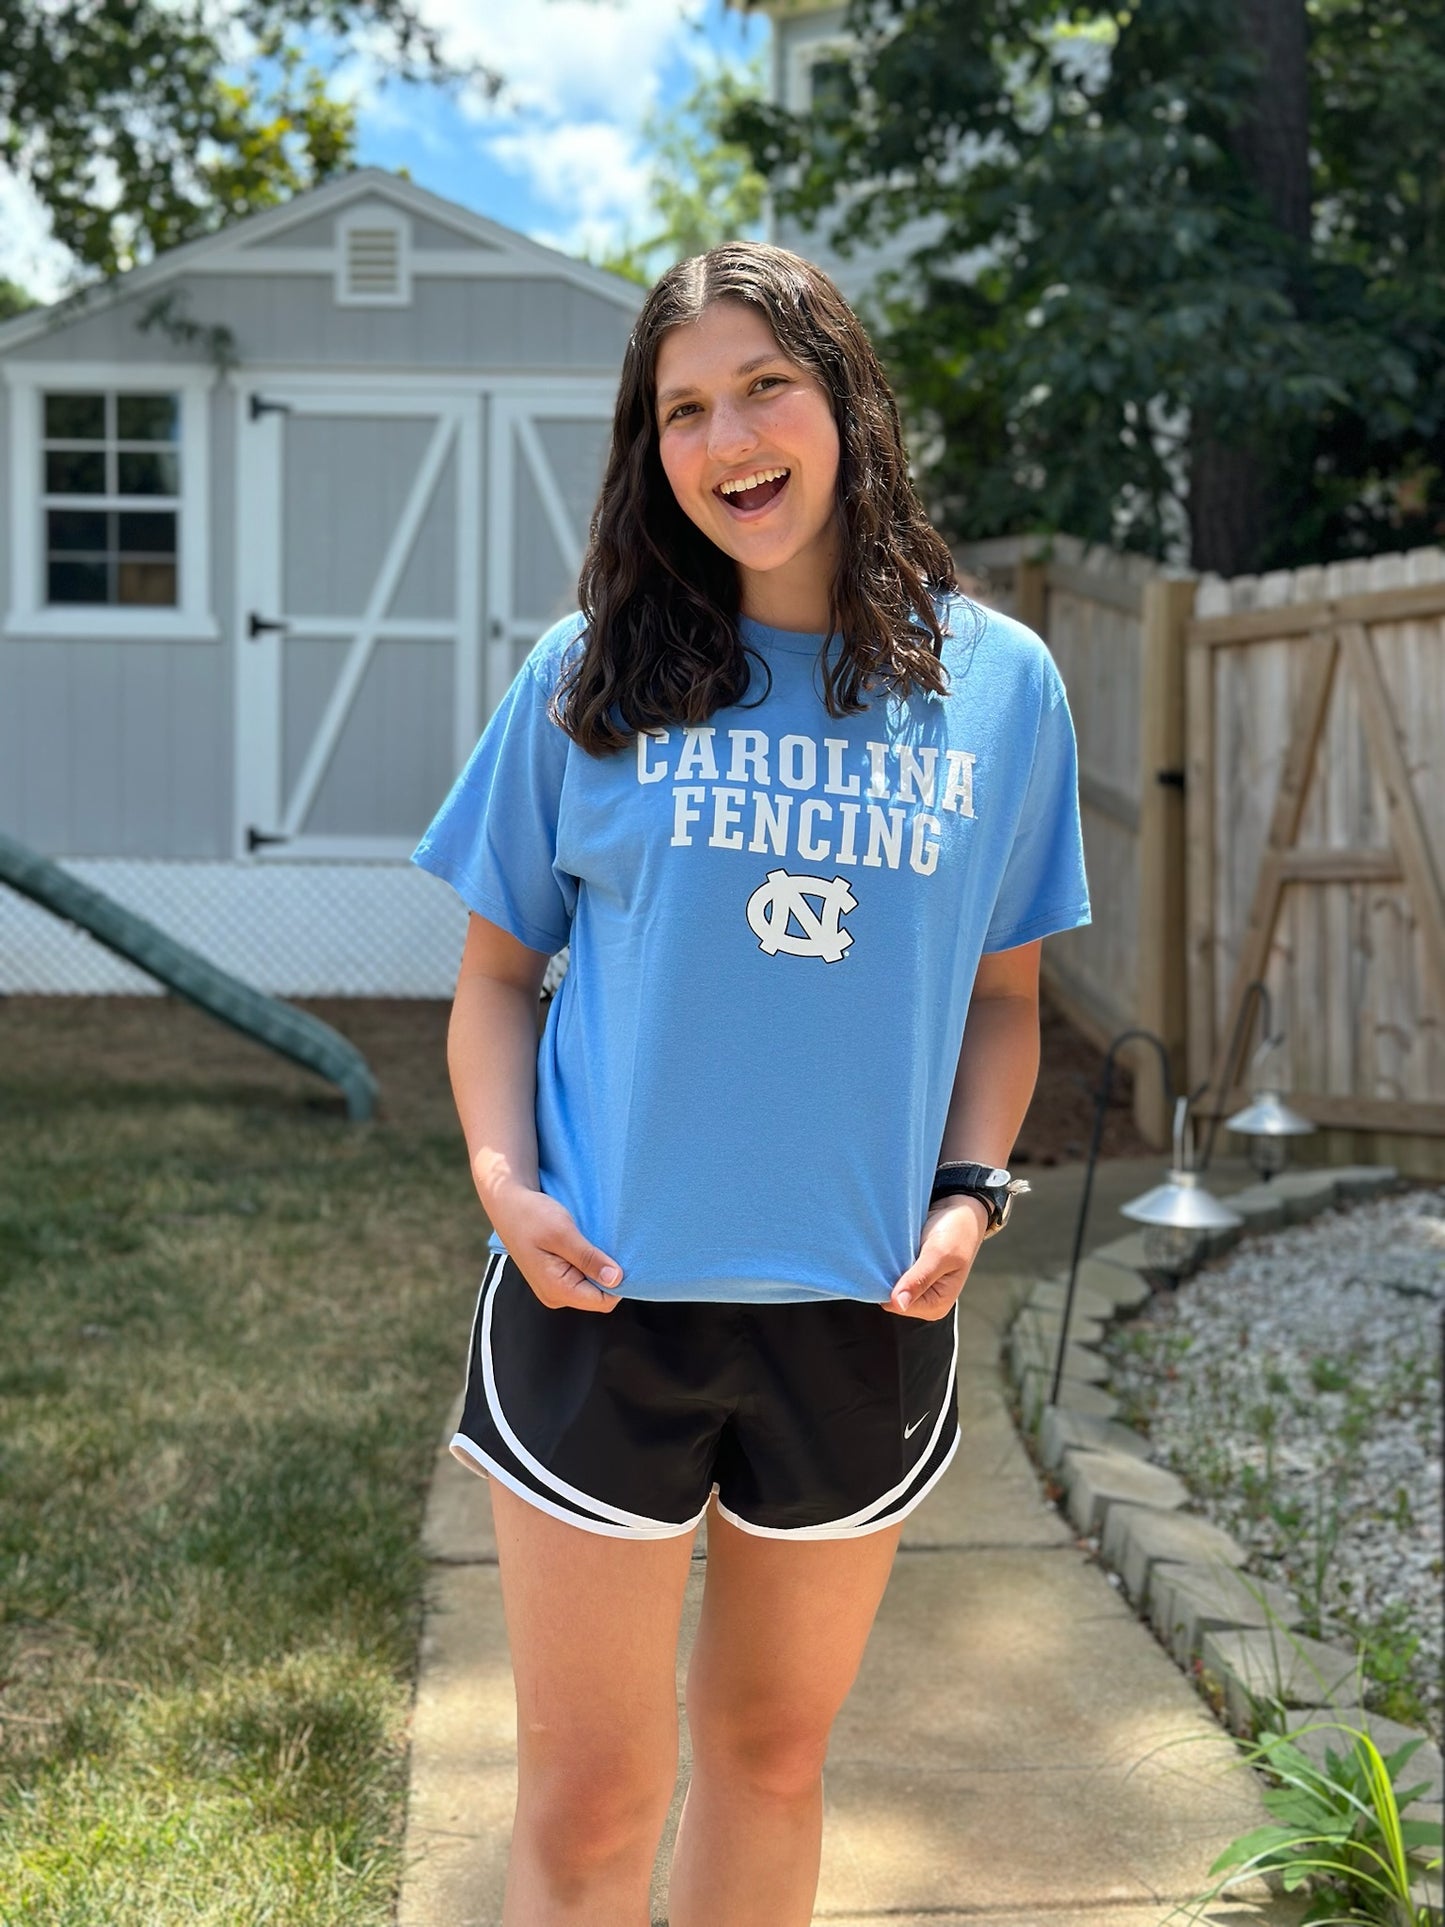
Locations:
{"points": [[837, 1531]]}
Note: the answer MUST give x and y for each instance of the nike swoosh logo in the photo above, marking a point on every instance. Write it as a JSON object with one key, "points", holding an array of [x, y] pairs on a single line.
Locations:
{"points": [[909, 1430]]}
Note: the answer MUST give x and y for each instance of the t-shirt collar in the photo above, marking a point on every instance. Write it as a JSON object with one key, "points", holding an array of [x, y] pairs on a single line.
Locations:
{"points": [[758, 635]]}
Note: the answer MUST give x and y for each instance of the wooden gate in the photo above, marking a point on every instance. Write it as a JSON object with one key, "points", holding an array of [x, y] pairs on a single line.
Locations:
{"points": [[1315, 824]]}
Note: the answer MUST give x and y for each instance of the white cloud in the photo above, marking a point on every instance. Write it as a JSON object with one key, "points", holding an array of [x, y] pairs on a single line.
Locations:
{"points": [[593, 171], [592, 59], [29, 252], [580, 77]]}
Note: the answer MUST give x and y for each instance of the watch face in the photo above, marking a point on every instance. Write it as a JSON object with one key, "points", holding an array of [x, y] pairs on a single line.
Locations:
{"points": [[998, 1177]]}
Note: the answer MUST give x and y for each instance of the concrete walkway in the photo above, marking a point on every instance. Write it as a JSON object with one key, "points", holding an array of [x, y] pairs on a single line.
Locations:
{"points": [[1011, 1755]]}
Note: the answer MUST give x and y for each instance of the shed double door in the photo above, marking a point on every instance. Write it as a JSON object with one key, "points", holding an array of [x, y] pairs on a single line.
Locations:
{"points": [[399, 551]]}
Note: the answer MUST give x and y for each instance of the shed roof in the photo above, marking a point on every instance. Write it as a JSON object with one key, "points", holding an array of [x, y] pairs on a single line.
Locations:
{"points": [[242, 238]]}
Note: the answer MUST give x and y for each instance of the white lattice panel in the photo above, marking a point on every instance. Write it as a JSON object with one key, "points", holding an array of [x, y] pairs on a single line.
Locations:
{"points": [[294, 929]]}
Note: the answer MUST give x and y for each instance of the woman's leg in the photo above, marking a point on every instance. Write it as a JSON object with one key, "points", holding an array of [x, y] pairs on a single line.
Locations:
{"points": [[593, 1626], [782, 1631]]}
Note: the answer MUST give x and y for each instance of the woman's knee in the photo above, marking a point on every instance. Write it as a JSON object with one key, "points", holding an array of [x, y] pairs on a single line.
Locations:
{"points": [[774, 1748], [589, 1807]]}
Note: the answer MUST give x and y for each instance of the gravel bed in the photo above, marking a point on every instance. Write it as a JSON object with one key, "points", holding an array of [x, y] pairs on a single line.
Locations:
{"points": [[1294, 1384]]}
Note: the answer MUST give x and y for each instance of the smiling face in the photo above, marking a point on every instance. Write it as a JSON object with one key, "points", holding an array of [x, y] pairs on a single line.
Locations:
{"points": [[747, 440]]}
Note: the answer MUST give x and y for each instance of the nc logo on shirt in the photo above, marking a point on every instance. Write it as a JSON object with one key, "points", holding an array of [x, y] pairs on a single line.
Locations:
{"points": [[784, 898]]}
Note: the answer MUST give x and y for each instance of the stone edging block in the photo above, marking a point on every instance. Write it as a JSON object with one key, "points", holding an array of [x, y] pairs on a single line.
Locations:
{"points": [[1074, 1396], [1123, 1286], [1085, 1328], [1187, 1601], [1059, 1429], [1137, 1538], [1029, 1353], [1095, 1481], [1353, 1181], [1263, 1663], [1305, 1194], [1047, 1299]]}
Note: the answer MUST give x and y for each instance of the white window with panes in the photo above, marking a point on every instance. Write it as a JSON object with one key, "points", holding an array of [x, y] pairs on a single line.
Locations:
{"points": [[108, 504], [112, 481]]}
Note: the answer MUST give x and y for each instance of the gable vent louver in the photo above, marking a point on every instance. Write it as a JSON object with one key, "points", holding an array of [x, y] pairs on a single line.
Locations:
{"points": [[373, 263]]}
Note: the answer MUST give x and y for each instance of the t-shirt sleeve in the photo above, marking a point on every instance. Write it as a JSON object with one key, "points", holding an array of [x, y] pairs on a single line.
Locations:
{"points": [[494, 839], [1044, 886]]}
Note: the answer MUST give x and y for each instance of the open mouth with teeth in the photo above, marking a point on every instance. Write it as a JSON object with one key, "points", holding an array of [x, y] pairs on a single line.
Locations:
{"points": [[749, 493]]}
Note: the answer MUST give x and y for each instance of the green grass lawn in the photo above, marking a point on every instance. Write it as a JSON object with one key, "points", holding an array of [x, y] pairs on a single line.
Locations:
{"points": [[233, 1324]]}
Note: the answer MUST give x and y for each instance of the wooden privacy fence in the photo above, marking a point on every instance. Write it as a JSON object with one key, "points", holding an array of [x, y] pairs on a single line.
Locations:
{"points": [[1316, 831], [1262, 786], [1115, 626]]}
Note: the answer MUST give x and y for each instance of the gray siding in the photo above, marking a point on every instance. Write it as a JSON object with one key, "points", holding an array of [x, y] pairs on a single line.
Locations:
{"points": [[436, 234], [116, 749], [6, 430], [124, 748], [293, 321]]}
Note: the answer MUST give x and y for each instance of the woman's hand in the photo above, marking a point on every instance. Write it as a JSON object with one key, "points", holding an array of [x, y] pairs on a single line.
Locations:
{"points": [[952, 1234], [544, 1243]]}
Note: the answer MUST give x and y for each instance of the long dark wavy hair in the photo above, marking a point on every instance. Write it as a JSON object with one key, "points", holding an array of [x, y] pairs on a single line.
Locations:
{"points": [[662, 601]]}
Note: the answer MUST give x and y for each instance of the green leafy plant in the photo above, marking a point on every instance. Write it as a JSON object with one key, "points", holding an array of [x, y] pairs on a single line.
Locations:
{"points": [[1389, 1646], [1337, 1825]]}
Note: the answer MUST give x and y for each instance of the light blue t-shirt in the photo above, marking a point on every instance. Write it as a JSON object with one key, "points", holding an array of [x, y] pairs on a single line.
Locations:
{"points": [[775, 922]]}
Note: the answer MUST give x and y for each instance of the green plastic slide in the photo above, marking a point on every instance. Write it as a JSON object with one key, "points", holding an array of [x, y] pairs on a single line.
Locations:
{"points": [[279, 1026]]}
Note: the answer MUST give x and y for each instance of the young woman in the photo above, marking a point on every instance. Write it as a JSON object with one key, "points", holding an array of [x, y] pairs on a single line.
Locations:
{"points": [[805, 815]]}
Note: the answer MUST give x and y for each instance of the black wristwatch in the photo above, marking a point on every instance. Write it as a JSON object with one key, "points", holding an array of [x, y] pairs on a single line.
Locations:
{"points": [[986, 1181]]}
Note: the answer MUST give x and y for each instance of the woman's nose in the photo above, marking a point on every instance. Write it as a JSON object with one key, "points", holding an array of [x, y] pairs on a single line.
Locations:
{"points": [[729, 433]]}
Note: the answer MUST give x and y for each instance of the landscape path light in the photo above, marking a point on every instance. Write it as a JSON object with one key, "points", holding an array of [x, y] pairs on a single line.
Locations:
{"points": [[1180, 1210], [1267, 1121], [1177, 1214]]}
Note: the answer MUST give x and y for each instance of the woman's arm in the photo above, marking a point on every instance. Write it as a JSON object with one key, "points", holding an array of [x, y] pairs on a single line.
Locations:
{"points": [[492, 1058], [998, 1066]]}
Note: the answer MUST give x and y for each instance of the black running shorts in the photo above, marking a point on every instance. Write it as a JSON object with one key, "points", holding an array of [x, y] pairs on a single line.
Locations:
{"points": [[820, 1420]]}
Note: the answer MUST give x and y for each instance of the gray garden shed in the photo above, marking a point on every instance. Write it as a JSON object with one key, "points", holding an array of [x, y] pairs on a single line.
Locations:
{"points": [[282, 512]]}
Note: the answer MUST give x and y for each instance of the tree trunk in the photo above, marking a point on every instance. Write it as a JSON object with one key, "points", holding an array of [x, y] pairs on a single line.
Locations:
{"points": [[1232, 485], [1272, 143], [1228, 497]]}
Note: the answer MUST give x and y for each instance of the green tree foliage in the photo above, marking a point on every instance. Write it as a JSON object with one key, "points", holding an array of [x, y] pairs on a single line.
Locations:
{"points": [[121, 116], [704, 188], [13, 299], [1189, 265]]}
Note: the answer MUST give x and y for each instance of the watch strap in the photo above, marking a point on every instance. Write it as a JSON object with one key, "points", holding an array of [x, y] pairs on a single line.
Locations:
{"points": [[991, 1184]]}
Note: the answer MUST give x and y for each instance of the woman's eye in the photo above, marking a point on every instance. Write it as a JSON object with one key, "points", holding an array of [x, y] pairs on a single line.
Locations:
{"points": [[683, 407]]}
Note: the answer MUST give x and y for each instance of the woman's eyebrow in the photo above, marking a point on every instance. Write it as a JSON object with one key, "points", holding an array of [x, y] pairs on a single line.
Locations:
{"points": [[746, 368]]}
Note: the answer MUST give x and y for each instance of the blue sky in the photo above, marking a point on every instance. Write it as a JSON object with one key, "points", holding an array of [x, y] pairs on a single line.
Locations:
{"points": [[560, 155]]}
